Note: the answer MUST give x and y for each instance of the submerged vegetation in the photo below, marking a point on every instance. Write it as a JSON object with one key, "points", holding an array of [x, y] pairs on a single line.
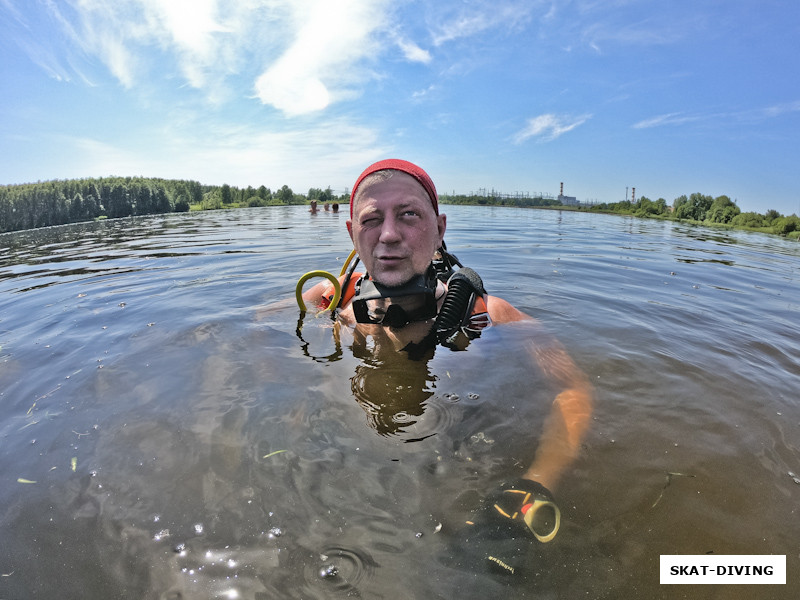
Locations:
{"points": [[59, 202]]}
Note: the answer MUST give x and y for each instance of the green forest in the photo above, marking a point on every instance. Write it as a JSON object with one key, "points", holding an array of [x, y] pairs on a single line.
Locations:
{"points": [[706, 210], [697, 209], [59, 202]]}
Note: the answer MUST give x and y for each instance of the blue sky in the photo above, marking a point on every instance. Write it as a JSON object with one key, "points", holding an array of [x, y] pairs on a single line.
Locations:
{"points": [[669, 97]]}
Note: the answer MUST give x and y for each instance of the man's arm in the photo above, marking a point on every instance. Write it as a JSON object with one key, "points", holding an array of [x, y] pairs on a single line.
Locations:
{"points": [[313, 295], [570, 415]]}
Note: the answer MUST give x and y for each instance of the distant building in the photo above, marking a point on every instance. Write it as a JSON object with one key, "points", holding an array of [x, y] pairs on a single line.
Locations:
{"points": [[568, 200]]}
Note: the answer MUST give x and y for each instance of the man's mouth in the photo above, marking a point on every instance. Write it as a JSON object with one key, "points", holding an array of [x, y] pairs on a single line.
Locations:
{"points": [[386, 259]]}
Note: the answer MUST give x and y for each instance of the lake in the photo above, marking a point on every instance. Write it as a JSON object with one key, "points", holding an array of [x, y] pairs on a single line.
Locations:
{"points": [[167, 431]]}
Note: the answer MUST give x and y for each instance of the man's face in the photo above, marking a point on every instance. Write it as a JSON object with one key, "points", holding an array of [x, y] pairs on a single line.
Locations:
{"points": [[395, 229]]}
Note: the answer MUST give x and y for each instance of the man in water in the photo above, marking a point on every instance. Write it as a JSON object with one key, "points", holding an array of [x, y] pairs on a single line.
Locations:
{"points": [[398, 234]]}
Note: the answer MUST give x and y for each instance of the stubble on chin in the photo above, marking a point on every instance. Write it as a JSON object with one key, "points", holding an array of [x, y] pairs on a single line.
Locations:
{"points": [[391, 281], [392, 277]]}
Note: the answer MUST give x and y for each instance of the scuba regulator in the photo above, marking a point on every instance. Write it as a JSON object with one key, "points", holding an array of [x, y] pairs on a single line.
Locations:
{"points": [[454, 326]]}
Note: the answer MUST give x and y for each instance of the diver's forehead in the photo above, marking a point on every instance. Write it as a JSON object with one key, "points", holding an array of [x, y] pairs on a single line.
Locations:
{"points": [[400, 190]]}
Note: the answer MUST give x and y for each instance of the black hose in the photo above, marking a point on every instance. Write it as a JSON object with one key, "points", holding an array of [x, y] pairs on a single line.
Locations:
{"points": [[462, 288]]}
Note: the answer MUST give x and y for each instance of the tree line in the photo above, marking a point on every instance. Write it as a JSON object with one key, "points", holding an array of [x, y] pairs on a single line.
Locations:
{"points": [[58, 202], [227, 196], [696, 208], [498, 199], [706, 210]]}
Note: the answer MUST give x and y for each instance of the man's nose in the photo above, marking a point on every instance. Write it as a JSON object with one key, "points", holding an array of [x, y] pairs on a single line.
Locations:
{"points": [[389, 231]]}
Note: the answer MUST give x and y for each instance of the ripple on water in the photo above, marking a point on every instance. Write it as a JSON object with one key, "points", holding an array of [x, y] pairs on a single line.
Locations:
{"points": [[412, 424], [340, 571]]}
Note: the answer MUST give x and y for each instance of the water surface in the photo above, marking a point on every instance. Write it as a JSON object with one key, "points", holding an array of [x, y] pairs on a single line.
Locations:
{"points": [[164, 436]]}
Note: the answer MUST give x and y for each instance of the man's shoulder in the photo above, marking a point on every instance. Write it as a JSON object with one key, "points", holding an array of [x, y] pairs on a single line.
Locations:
{"points": [[502, 311]]}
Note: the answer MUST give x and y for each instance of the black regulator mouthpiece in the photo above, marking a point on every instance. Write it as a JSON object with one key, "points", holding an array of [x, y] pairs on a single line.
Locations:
{"points": [[463, 288]]}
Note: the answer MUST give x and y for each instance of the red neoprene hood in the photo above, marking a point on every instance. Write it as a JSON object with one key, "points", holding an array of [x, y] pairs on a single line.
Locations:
{"points": [[406, 167]]}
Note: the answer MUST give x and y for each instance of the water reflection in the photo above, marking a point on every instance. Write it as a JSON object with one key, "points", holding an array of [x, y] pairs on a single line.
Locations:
{"points": [[706, 235], [392, 388], [727, 263], [322, 343]]}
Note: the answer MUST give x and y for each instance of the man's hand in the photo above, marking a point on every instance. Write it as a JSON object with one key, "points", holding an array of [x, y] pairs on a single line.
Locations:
{"points": [[520, 503]]}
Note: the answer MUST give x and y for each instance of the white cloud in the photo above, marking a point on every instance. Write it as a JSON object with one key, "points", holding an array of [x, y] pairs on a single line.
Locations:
{"points": [[189, 27], [548, 127], [420, 95], [189, 22], [414, 53], [297, 56], [330, 38], [300, 55]]}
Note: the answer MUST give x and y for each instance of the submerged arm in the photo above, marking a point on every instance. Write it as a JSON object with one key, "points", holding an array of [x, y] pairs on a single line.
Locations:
{"points": [[571, 412], [569, 416]]}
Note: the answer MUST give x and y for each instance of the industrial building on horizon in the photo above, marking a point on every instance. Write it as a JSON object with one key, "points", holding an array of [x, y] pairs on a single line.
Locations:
{"points": [[567, 200]]}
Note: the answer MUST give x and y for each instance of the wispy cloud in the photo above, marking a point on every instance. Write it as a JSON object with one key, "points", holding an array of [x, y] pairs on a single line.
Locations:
{"points": [[21, 29], [7, 5], [755, 115], [477, 17], [643, 33], [667, 119], [778, 110], [299, 55], [548, 127], [602, 24], [128, 35]]}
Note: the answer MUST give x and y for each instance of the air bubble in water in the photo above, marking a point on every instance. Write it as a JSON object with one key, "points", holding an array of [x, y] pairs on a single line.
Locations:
{"points": [[164, 533], [328, 571]]}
